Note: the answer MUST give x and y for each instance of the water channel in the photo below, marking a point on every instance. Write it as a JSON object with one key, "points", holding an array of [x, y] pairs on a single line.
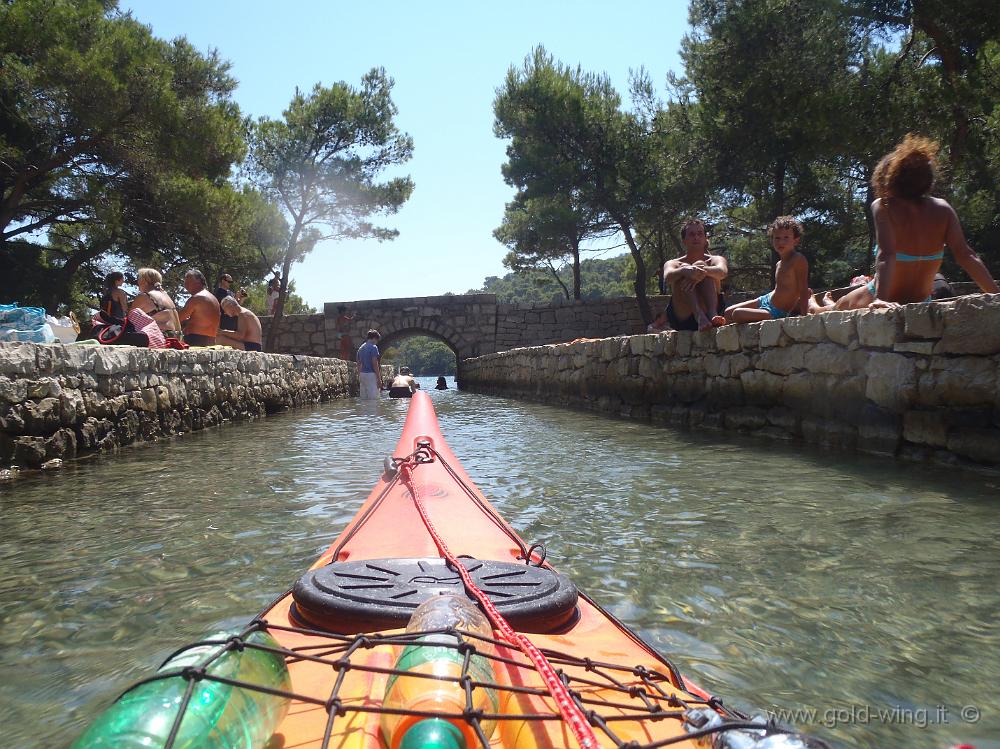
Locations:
{"points": [[778, 576]]}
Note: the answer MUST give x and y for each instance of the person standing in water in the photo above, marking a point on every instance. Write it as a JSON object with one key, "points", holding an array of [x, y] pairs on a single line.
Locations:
{"points": [[911, 229], [369, 365]]}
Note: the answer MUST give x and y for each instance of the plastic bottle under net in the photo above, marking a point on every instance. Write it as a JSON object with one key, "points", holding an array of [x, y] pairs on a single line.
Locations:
{"points": [[435, 654], [218, 716]]}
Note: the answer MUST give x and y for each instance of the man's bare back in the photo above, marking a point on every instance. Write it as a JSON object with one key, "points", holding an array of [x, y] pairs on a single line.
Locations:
{"points": [[200, 316]]}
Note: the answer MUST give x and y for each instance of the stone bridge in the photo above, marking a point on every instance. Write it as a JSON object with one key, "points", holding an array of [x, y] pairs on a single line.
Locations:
{"points": [[469, 324]]}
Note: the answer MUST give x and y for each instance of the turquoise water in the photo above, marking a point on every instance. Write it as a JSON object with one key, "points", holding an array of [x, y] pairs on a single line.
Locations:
{"points": [[778, 577]]}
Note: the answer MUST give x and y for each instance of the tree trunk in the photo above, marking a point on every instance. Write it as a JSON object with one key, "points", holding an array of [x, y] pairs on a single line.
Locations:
{"points": [[950, 55], [286, 269], [576, 271], [870, 221], [555, 274], [779, 206], [640, 274]]}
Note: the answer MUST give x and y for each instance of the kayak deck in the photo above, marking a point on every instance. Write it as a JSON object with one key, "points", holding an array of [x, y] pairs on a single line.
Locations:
{"points": [[568, 675], [630, 694]]}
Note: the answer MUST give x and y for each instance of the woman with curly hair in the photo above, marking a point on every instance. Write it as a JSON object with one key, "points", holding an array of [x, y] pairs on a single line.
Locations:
{"points": [[912, 229]]}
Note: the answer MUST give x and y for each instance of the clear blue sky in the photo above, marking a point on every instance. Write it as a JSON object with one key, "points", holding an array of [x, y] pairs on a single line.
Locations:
{"points": [[447, 59]]}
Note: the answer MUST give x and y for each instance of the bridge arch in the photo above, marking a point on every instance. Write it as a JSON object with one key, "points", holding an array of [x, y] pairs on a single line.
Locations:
{"points": [[466, 324]]}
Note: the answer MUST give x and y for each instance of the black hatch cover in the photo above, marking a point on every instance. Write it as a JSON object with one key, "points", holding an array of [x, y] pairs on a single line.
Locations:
{"points": [[374, 594]]}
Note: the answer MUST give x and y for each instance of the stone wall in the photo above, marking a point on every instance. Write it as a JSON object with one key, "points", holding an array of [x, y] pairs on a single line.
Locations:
{"points": [[58, 401], [520, 325], [301, 334], [921, 382]]}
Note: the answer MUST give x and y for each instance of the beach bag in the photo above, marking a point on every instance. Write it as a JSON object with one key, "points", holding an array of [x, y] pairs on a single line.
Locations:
{"points": [[138, 330], [24, 324], [142, 323]]}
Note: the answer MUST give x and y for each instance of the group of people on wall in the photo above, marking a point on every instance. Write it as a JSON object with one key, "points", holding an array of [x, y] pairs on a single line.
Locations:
{"points": [[912, 228], [206, 319]]}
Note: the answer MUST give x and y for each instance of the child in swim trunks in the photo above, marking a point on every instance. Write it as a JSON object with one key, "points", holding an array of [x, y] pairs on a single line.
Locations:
{"points": [[791, 278]]}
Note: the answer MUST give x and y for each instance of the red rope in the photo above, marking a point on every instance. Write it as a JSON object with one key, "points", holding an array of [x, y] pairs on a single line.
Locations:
{"points": [[569, 710]]}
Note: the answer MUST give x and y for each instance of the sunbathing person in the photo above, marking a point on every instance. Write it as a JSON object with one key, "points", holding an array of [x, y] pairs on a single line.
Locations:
{"points": [[912, 229], [695, 282], [791, 278], [155, 302], [200, 316], [247, 335]]}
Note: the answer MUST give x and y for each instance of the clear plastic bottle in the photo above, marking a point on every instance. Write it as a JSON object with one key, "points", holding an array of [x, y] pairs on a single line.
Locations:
{"points": [[218, 716], [431, 655]]}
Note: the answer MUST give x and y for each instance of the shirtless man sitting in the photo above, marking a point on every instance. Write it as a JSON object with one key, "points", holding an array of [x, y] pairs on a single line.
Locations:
{"points": [[695, 282], [247, 335], [200, 316]]}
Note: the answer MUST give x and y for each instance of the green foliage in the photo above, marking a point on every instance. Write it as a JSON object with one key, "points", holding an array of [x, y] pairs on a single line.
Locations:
{"points": [[542, 232], [600, 278], [115, 144], [425, 356], [784, 107], [569, 136], [320, 163], [257, 301]]}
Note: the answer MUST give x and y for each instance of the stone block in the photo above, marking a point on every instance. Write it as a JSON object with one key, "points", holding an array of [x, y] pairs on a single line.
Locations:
{"points": [[733, 365], [783, 418], [971, 326], [925, 348], [727, 338], [960, 381], [29, 451], [841, 327], [924, 320], [827, 358], [772, 334], [42, 417], [805, 328], [892, 381], [762, 387], [980, 445], [113, 360], [925, 428], [17, 359], [749, 335], [783, 361], [13, 390], [879, 431], [703, 339], [71, 407], [748, 418], [880, 328], [724, 392], [822, 431]]}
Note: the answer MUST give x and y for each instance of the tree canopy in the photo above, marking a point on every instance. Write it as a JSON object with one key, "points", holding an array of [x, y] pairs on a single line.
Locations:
{"points": [[320, 163], [782, 107], [116, 147]]}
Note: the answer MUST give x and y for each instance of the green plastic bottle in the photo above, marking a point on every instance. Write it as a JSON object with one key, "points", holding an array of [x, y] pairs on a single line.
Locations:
{"points": [[432, 655], [218, 716]]}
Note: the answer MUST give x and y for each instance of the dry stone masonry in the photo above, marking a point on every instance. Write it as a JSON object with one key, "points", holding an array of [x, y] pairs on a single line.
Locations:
{"points": [[58, 401], [470, 324], [921, 382]]}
